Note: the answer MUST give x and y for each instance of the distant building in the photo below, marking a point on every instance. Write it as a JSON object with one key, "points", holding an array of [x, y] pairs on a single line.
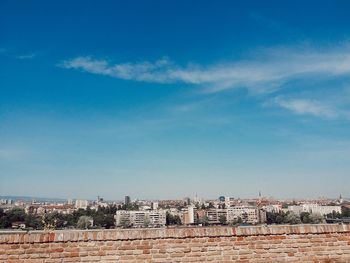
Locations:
{"points": [[222, 198], [187, 200], [127, 200], [273, 208], [189, 215], [142, 218], [154, 206], [83, 204], [42, 209], [248, 214], [214, 215], [314, 208]]}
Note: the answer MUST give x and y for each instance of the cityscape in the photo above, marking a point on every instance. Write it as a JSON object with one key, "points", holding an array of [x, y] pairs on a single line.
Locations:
{"points": [[174, 131], [129, 213]]}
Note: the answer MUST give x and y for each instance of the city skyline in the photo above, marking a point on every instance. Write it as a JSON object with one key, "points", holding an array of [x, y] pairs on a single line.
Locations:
{"points": [[160, 99]]}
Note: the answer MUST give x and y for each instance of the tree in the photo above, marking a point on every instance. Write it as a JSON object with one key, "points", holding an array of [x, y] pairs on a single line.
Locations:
{"points": [[124, 222], [275, 218], [305, 217], [222, 220], [146, 222], [33, 221], [211, 205], [245, 217], [236, 222], [345, 211], [292, 218], [4, 220], [16, 214], [172, 219], [316, 218], [84, 222], [109, 221], [204, 220]]}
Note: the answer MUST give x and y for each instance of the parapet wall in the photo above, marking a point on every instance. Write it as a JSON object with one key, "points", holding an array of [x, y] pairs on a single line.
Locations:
{"points": [[298, 243]]}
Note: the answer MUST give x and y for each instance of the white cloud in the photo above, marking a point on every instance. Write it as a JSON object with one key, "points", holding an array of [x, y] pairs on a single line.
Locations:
{"points": [[262, 73], [142, 71], [307, 106], [26, 56]]}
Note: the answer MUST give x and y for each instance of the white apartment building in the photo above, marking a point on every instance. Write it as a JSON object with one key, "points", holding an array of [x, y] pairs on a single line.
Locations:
{"points": [[154, 205], [215, 214], [314, 208], [248, 214], [273, 208], [81, 204], [142, 218]]}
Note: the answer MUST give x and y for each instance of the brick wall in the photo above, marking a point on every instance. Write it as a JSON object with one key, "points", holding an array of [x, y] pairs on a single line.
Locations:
{"points": [[300, 243]]}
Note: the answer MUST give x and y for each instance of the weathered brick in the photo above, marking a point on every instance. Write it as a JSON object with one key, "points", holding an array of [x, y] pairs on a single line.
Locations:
{"points": [[314, 243]]}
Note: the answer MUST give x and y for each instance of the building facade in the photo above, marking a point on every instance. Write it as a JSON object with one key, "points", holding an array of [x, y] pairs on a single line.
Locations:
{"points": [[141, 218]]}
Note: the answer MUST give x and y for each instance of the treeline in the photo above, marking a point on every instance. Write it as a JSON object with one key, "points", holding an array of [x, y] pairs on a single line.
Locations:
{"points": [[103, 217], [303, 218], [292, 218]]}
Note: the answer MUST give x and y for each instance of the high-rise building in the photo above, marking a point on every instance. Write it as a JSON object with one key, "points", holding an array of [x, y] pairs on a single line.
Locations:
{"points": [[187, 200], [127, 200], [154, 205]]}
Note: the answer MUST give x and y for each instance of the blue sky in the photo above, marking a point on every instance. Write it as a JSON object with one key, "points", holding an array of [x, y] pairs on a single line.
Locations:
{"points": [[165, 99]]}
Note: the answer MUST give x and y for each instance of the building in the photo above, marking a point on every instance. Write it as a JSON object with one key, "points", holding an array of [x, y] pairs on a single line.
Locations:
{"points": [[273, 208], [248, 214], [222, 198], [214, 215], [314, 208], [141, 218], [83, 204], [43, 209], [154, 206], [189, 215], [127, 200], [187, 200]]}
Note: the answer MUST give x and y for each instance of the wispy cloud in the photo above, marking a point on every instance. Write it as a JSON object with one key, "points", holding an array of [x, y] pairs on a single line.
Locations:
{"points": [[307, 106], [26, 56], [261, 73], [157, 71]]}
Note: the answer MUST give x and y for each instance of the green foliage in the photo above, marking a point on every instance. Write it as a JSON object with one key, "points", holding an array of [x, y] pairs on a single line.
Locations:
{"points": [[204, 220], [211, 205], [305, 217], [236, 222], [172, 219], [125, 222], [11, 216], [16, 215], [33, 221], [292, 218], [103, 217], [129, 207], [84, 222], [4, 220], [146, 222], [222, 220], [316, 218], [222, 206], [345, 211]]}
